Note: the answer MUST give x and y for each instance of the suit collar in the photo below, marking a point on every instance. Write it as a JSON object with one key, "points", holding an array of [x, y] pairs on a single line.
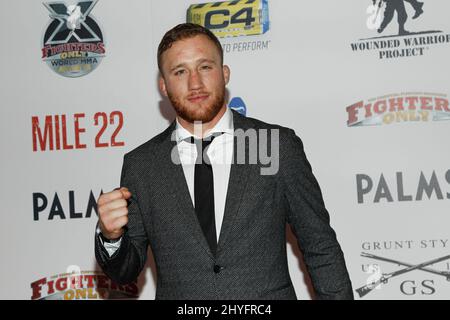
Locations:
{"points": [[224, 125], [238, 121]]}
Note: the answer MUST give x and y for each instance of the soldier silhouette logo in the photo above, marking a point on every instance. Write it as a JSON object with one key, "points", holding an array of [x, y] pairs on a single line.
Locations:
{"points": [[381, 13]]}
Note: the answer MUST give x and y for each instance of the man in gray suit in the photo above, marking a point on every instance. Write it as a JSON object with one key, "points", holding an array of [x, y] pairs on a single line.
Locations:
{"points": [[215, 220]]}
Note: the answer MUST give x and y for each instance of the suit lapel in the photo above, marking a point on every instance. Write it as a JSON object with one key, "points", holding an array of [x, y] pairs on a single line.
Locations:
{"points": [[179, 189], [239, 174]]}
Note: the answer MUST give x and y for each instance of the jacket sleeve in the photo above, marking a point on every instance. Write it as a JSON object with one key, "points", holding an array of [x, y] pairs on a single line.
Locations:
{"points": [[310, 222], [125, 265]]}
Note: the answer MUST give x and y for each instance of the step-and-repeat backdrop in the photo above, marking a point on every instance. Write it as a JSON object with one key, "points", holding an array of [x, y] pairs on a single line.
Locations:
{"points": [[364, 83]]}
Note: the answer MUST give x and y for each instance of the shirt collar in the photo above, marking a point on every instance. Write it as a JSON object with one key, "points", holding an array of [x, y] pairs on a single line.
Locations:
{"points": [[225, 125]]}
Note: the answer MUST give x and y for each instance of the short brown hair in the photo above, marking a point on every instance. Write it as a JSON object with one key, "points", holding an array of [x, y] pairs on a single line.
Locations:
{"points": [[185, 31]]}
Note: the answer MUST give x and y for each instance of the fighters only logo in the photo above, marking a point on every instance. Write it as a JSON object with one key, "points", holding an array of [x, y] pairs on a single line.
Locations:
{"points": [[400, 38], [73, 43], [399, 108], [76, 284]]}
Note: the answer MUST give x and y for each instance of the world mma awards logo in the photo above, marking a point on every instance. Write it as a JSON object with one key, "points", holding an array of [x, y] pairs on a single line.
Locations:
{"points": [[73, 43], [397, 38]]}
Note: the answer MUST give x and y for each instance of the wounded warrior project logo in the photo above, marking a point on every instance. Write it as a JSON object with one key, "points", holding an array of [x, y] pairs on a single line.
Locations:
{"points": [[234, 19], [395, 108], [397, 38], [81, 285], [73, 43]]}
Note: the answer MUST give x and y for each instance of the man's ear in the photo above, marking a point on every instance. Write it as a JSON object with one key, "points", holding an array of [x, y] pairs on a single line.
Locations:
{"points": [[162, 85], [226, 73]]}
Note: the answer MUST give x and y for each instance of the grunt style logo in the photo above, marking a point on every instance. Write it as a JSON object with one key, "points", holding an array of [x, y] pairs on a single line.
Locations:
{"points": [[73, 43], [396, 38], [378, 278]]}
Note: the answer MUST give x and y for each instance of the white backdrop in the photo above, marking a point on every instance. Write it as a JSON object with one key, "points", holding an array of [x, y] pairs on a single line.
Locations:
{"points": [[304, 75]]}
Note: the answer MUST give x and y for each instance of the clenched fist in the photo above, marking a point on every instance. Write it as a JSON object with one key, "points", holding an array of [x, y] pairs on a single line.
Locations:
{"points": [[113, 212]]}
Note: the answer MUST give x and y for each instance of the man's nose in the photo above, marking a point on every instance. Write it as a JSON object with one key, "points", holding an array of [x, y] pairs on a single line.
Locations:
{"points": [[195, 81]]}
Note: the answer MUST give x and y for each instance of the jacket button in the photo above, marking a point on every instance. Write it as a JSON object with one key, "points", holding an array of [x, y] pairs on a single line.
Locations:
{"points": [[217, 268]]}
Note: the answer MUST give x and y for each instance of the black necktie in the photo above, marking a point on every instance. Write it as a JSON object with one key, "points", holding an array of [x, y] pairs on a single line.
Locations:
{"points": [[204, 191]]}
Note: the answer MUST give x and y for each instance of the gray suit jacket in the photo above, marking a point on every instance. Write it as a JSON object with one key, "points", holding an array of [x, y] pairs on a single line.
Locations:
{"points": [[251, 260]]}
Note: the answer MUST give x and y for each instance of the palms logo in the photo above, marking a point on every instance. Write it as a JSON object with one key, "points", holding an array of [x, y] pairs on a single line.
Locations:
{"points": [[73, 43]]}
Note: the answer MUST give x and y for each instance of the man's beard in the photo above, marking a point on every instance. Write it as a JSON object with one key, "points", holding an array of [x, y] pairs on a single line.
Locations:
{"points": [[206, 115]]}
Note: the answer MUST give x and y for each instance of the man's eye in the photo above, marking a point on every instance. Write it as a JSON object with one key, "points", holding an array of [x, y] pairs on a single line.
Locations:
{"points": [[206, 67], [179, 72]]}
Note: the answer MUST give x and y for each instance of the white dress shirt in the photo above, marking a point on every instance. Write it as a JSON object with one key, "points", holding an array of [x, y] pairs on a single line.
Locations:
{"points": [[220, 153]]}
